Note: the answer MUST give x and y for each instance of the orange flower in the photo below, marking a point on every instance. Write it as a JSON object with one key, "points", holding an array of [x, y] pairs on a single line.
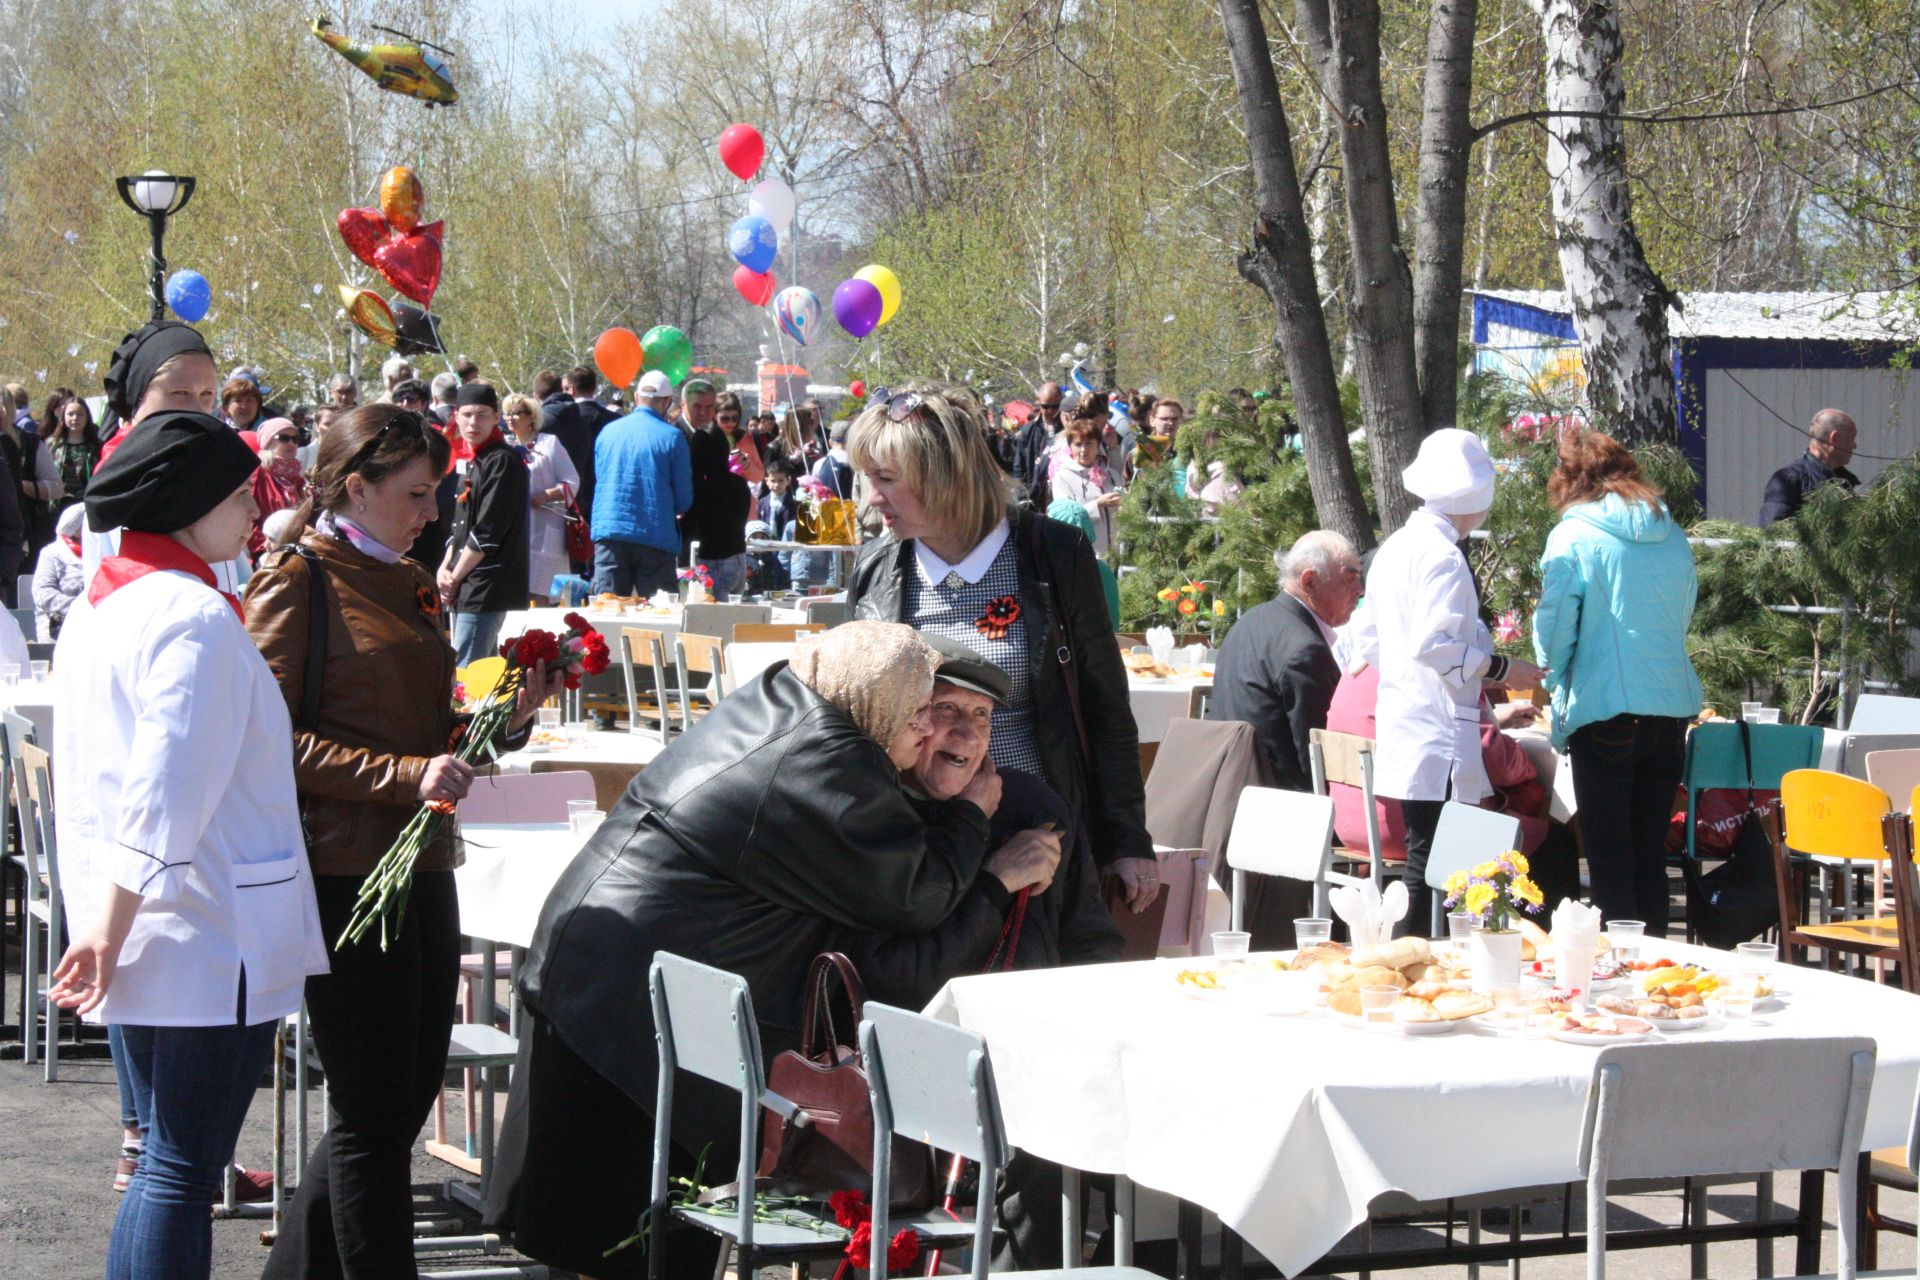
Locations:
{"points": [[1188, 606], [1169, 594]]}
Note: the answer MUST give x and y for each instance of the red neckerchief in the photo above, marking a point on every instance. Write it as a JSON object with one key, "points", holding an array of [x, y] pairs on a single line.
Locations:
{"points": [[73, 544], [145, 553]]}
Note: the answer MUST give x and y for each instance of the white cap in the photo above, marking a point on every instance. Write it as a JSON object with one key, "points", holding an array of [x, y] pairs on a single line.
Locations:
{"points": [[1453, 473], [653, 385]]}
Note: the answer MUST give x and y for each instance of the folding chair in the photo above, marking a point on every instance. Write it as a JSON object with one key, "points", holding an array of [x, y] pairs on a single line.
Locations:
{"points": [[933, 1082], [1467, 835], [33, 801], [1287, 834], [698, 655], [1833, 816], [1897, 1169], [828, 613], [1687, 1108], [1715, 761], [772, 632], [1346, 759], [634, 643], [703, 1023], [721, 619], [1895, 772], [1884, 713]]}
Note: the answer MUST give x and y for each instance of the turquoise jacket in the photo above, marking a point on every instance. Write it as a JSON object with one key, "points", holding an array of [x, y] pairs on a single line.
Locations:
{"points": [[1616, 597]]}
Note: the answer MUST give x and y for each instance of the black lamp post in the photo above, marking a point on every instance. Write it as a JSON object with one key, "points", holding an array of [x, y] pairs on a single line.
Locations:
{"points": [[156, 196]]}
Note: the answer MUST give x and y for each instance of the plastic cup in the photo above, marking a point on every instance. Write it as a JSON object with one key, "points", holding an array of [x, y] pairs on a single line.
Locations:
{"points": [[580, 806], [10, 674], [39, 668], [1231, 944], [1736, 997], [548, 719], [1509, 1009], [585, 822], [1312, 931], [1765, 715], [1748, 708], [1756, 959], [1626, 937], [1376, 1007], [1460, 927], [1573, 968]]}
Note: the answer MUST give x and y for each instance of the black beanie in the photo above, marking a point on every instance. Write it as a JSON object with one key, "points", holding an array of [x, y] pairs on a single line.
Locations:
{"points": [[174, 468], [140, 355], [477, 393]]}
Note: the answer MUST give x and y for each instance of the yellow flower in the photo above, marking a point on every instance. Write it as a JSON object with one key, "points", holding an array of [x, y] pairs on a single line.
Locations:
{"points": [[1191, 588], [1487, 870], [1169, 595], [1219, 608], [1479, 898], [1456, 883], [1518, 861], [1188, 606], [1527, 891]]}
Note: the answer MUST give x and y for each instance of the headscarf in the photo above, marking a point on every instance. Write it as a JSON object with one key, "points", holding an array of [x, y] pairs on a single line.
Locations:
{"points": [[72, 520], [1067, 511], [180, 465], [1453, 473], [879, 673], [139, 357]]}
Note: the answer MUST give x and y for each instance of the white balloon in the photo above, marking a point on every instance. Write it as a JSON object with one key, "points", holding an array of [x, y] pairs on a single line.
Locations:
{"points": [[772, 200]]}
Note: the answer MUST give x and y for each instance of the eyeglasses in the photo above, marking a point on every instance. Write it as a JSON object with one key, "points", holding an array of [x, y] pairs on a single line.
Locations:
{"points": [[726, 417], [519, 413], [1054, 406], [898, 405], [284, 439]]}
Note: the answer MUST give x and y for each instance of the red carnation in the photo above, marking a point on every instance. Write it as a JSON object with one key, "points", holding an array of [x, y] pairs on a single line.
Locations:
{"points": [[594, 655], [860, 1248], [850, 1208], [904, 1249], [533, 647], [576, 622]]}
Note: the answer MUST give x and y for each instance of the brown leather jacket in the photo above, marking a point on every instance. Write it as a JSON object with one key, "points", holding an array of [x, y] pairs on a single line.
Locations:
{"points": [[386, 703]]}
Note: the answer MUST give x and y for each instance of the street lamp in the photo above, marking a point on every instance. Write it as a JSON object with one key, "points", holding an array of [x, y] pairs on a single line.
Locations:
{"points": [[156, 196]]}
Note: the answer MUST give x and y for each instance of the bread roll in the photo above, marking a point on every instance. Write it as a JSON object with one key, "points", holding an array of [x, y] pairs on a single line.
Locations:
{"points": [[1410, 1009], [1453, 1005], [1426, 990], [1534, 940], [1345, 1000], [1377, 976], [1397, 954], [1326, 951]]}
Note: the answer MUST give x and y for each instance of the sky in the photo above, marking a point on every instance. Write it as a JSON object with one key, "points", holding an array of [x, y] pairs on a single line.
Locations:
{"points": [[588, 13]]}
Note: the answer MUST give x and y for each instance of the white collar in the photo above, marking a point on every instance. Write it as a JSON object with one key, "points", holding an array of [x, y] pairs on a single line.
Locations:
{"points": [[934, 570], [1327, 633]]}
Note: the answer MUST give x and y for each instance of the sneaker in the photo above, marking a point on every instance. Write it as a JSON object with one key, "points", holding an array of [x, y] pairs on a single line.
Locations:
{"points": [[250, 1186], [125, 1168]]}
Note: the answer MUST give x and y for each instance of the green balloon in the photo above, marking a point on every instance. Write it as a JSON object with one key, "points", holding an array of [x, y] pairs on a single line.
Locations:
{"points": [[665, 348]]}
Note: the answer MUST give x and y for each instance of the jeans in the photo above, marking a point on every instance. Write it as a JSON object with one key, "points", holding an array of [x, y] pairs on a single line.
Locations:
{"points": [[475, 636], [130, 1098], [632, 568], [195, 1084], [380, 1023], [1625, 773], [729, 576]]}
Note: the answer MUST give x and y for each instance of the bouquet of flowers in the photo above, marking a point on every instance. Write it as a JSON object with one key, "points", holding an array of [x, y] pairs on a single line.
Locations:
{"points": [[383, 894], [1188, 601], [1495, 889], [698, 573]]}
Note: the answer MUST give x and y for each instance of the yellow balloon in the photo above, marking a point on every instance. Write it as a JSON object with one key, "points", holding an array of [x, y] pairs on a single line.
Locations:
{"points": [[883, 279]]}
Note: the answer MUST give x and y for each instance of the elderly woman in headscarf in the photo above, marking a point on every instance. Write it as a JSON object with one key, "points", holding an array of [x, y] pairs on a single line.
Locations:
{"points": [[1421, 627], [281, 483], [776, 823]]}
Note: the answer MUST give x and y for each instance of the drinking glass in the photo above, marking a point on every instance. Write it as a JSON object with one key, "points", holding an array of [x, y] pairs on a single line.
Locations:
{"points": [[1231, 944], [1626, 936], [1376, 1007], [39, 668], [1460, 927], [585, 822], [1312, 931]]}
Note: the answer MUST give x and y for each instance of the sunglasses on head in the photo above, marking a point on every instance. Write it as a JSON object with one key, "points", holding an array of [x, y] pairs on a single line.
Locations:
{"points": [[898, 404]]}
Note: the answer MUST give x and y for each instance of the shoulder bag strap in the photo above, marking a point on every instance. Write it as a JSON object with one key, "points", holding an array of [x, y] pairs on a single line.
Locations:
{"points": [[817, 1032], [316, 667], [1060, 638]]}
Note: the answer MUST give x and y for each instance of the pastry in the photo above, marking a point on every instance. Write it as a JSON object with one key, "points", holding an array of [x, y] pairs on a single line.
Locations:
{"points": [[1453, 1005], [1397, 954]]}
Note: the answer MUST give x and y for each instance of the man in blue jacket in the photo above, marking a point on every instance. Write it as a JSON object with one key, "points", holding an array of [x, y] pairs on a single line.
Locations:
{"points": [[645, 479]]}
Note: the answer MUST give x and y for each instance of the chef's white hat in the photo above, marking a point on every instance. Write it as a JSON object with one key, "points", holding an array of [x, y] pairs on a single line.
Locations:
{"points": [[1453, 474]]}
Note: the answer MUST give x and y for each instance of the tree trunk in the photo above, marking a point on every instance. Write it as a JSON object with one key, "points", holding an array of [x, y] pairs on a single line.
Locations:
{"points": [[1280, 261], [1440, 219], [1619, 304], [1344, 36]]}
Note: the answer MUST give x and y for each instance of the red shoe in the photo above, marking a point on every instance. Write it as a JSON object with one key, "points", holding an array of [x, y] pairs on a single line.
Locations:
{"points": [[250, 1186]]}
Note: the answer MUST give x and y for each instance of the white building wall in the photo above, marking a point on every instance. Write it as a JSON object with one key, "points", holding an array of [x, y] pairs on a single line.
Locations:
{"points": [[1746, 444]]}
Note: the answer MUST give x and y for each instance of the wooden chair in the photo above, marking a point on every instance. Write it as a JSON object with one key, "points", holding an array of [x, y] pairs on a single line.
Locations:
{"points": [[1895, 772], [698, 655], [773, 632], [642, 646], [479, 677], [1197, 700], [1127, 639], [1830, 815], [1346, 759]]}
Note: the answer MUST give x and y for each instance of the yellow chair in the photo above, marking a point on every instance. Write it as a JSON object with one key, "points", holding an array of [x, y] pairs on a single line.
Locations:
{"points": [[1835, 816], [480, 678]]}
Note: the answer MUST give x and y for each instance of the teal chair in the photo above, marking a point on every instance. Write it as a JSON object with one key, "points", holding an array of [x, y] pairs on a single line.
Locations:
{"points": [[1716, 760]]}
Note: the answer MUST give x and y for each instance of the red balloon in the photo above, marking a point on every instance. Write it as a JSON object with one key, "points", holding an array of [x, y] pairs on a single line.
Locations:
{"points": [[856, 388], [755, 286], [742, 149], [364, 230], [411, 262], [617, 354]]}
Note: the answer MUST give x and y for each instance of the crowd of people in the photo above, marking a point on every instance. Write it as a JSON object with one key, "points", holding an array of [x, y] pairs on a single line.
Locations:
{"points": [[260, 613]]}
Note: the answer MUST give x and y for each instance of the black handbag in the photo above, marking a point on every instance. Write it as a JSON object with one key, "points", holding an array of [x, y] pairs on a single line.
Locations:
{"points": [[1738, 900]]}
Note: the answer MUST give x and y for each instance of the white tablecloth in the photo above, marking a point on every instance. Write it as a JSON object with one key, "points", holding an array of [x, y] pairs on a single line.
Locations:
{"points": [[609, 622], [1155, 703], [593, 746], [507, 875], [34, 700], [1289, 1127]]}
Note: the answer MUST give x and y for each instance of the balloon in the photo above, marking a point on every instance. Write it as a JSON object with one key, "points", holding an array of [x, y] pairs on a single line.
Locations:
{"points": [[189, 295], [798, 311], [755, 286], [410, 262], [667, 349], [857, 306], [401, 198], [857, 389], [369, 313], [416, 332], [883, 279], [753, 242], [616, 353], [742, 149], [772, 200], [364, 231]]}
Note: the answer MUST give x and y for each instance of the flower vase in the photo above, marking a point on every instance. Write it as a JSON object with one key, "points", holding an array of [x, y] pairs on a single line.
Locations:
{"points": [[1495, 959]]}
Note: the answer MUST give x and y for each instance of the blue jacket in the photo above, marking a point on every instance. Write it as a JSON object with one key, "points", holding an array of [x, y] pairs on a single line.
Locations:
{"points": [[1616, 598], [643, 473]]}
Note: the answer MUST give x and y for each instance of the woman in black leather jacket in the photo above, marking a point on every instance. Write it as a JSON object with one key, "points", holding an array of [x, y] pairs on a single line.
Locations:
{"points": [[960, 560], [778, 821]]}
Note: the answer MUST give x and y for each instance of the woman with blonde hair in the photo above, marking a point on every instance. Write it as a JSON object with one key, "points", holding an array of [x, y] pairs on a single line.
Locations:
{"points": [[552, 480], [959, 559]]}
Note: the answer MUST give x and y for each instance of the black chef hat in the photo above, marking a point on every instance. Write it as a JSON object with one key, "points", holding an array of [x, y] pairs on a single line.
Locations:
{"points": [[477, 393], [966, 669], [175, 467], [140, 355]]}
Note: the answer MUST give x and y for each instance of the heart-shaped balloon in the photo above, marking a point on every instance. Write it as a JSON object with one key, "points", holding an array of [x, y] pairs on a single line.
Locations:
{"points": [[364, 230], [411, 262]]}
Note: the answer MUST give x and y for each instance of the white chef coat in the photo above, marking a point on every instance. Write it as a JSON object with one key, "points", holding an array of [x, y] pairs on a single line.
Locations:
{"points": [[174, 764], [231, 575], [1421, 627]]}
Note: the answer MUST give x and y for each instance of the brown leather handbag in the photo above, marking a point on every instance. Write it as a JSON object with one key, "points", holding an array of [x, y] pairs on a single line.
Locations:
{"points": [[831, 1149]]}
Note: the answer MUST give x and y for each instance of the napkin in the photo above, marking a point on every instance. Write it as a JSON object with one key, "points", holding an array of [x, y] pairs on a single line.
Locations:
{"points": [[1576, 927], [1157, 636], [1369, 913]]}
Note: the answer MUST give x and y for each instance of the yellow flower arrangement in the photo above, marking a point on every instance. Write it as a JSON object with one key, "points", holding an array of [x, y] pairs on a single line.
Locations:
{"points": [[1495, 889]]}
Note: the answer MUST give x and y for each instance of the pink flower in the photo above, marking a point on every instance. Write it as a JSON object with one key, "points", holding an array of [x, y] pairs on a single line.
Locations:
{"points": [[1506, 629]]}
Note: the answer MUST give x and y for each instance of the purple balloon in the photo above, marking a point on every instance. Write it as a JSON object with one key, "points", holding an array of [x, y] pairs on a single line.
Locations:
{"points": [[857, 306]]}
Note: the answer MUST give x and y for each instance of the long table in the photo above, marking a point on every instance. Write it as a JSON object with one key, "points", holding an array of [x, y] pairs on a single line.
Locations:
{"points": [[1288, 1128]]}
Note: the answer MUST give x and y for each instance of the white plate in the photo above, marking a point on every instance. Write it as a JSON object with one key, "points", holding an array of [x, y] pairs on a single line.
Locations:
{"points": [[1765, 1004], [1680, 1026], [1402, 1028], [1595, 1041]]}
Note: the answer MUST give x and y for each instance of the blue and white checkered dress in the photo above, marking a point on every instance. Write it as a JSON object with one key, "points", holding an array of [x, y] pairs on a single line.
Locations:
{"points": [[953, 609]]}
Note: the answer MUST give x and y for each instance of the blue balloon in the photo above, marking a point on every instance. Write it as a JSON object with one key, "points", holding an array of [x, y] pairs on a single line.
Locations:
{"points": [[189, 294], [753, 242]]}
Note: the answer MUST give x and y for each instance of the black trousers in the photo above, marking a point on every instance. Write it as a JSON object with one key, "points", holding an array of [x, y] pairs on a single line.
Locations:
{"points": [[1423, 819], [1625, 773], [380, 1022]]}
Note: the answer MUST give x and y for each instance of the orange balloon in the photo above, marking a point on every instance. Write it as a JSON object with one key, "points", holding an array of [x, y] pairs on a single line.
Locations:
{"points": [[401, 198], [616, 353]]}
